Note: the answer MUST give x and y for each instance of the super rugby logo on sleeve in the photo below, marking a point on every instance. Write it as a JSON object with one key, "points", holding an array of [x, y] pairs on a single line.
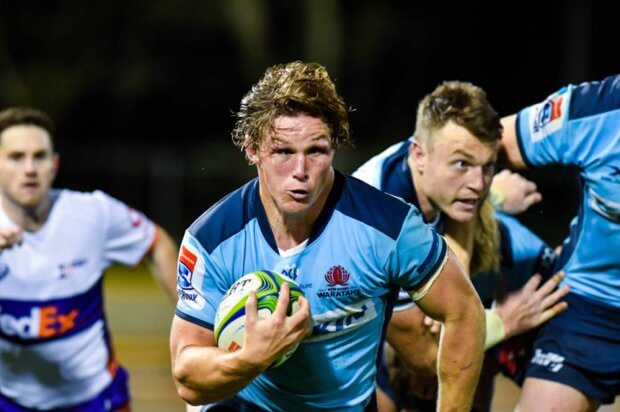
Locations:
{"points": [[186, 267], [187, 285], [549, 116]]}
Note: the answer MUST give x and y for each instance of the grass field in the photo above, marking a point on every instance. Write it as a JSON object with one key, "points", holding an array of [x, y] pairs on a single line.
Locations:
{"points": [[140, 314]]}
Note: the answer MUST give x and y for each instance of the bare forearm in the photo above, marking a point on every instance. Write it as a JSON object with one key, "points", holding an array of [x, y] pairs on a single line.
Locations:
{"points": [[413, 342], [163, 262], [209, 374], [460, 360]]}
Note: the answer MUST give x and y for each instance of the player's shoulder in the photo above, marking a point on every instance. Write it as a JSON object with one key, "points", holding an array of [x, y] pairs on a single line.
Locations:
{"points": [[226, 217], [367, 204], [594, 97], [82, 200], [372, 170]]}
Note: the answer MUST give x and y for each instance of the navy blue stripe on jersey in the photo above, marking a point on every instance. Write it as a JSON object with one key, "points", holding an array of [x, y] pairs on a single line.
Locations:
{"points": [[545, 263], [227, 217], [30, 322], [361, 201], [349, 195], [589, 99], [193, 319], [437, 242], [396, 176], [526, 160], [569, 245]]}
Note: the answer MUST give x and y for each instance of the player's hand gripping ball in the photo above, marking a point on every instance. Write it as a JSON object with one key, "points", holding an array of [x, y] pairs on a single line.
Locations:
{"points": [[230, 316]]}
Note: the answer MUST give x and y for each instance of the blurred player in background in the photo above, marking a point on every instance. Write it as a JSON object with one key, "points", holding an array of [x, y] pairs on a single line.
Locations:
{"points": [[446, 171], [55, 347], [576, 363], [303, 217]]}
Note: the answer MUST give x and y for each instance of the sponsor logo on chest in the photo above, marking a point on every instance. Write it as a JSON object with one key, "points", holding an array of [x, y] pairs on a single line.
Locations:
{"points": [[42, 322]]}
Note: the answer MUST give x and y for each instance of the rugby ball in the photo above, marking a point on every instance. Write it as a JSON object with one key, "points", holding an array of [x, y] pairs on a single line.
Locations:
{"points": [[229, 327]]}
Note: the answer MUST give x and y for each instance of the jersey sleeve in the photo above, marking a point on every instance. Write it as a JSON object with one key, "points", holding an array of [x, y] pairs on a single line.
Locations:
{"points": [[129, 234], [418, 256], [571, 125], [200, 285]]}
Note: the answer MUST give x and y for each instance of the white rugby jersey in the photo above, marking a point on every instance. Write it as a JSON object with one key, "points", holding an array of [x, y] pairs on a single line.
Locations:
{"points": [[55, 348]]}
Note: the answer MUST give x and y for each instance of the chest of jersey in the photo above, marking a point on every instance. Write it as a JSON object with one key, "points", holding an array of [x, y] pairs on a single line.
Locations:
{"points": [[51, 264]]}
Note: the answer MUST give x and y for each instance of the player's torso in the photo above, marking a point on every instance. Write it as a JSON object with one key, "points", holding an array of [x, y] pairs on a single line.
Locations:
{"points": [[580, 126], [590, 254], [51, 308], [346, 286], [345, 271]]}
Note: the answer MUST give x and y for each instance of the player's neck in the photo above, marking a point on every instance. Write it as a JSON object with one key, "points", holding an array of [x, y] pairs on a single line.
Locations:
{"points": [[29, 218], [428, 209], [291, 229], [460, 237]]}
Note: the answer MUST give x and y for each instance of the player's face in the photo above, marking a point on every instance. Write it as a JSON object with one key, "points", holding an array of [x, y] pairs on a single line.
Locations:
{"points": [[457, 171], [294, 164], [27, 165]]}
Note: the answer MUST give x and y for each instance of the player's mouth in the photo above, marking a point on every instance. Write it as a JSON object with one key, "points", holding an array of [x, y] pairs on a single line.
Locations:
{"points": [[298, 194], [30, 186], [468, 204]]}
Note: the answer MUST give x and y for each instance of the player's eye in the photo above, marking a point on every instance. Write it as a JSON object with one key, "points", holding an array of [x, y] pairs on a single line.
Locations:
{"points": [[489, 168], [317, 150], [283, 151], [460, 164]]}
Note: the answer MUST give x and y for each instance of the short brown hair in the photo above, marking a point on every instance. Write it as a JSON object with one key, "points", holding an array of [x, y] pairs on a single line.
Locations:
{"points": [[463, 103], [291, 89], [23, 116]]}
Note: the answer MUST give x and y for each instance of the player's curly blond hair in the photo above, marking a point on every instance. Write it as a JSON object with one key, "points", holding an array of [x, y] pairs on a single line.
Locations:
{"points": [[291, 89]]}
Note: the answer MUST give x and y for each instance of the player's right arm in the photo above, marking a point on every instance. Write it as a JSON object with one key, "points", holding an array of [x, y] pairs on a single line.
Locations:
{"points": [[509, 146], [204, 373]]}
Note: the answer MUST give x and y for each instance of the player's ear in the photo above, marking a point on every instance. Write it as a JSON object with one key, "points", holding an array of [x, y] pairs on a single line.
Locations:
{"points": [[56, 163], [417, 154], [252, 154]]}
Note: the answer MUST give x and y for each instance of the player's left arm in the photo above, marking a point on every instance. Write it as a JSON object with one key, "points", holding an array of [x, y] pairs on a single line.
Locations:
{"points": [[509, 151], [162, 261], [452, 300]]}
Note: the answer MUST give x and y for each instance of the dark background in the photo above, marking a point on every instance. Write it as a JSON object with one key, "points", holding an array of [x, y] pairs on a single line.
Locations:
{"points": [[143, 91]]}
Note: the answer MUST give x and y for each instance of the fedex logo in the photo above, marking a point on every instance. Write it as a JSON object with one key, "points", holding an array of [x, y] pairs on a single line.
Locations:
{"points": [[42, 323]]}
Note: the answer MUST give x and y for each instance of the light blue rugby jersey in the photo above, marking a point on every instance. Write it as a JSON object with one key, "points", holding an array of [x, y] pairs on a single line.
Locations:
{"points": [[580, 125], [376, 242], [522, 252]]}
